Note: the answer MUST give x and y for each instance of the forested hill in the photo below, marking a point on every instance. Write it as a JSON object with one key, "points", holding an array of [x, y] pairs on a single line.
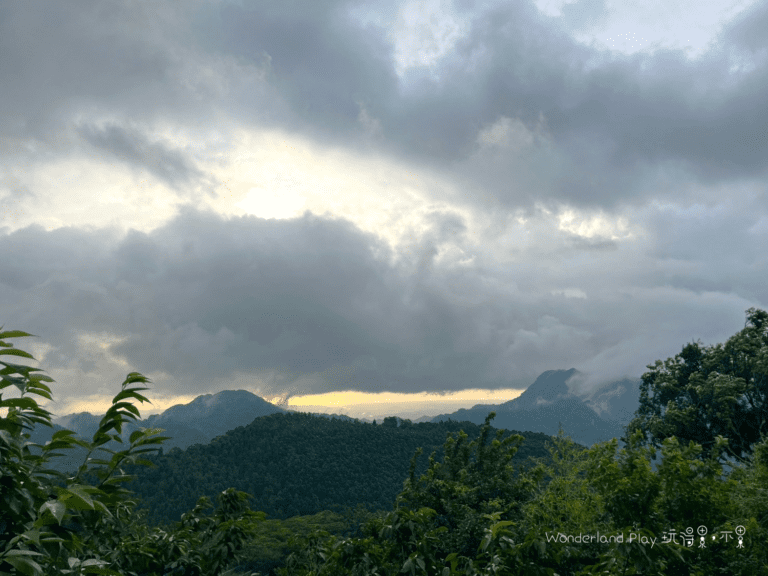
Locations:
{"points": [[297, 463]]}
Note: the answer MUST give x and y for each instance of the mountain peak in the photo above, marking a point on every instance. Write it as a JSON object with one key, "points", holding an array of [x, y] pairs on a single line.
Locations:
{"points": [[550, 384], [554, 399], [222, 406], [547, 388]]}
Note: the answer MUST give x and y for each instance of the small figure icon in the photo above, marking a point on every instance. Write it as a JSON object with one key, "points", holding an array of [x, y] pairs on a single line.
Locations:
{"points": [[702, 530]]}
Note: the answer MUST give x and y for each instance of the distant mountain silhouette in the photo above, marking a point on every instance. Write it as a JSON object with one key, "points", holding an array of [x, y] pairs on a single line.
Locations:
{"points": [[589, 417], [549, 402], [198, 422], [209, 415]]}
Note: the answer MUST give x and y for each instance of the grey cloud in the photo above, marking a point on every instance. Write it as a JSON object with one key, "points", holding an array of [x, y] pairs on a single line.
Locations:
{"points": [[613, 124], [594, 243], [133, 147], [321, 62], [30, 256], [133, 62], [16, 189], [206, 297], [60, 55], [620, 118], [584, 14], [747, 29], [304, 306], [617, 118]]}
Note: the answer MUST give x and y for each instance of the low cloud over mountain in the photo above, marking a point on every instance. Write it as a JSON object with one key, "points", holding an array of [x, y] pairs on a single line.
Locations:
{"points": [[556, 398]]}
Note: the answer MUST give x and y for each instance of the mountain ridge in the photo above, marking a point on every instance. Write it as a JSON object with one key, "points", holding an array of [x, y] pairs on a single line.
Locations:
{"points": [[551, 400], [589, 417], [197, 422]]}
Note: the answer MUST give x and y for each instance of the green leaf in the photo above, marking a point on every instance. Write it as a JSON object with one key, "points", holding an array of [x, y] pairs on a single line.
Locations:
{"points": [[16, 352], [153, 440], [58, 509], [14, 334], [24, 565], [136, 435], [18, 403], [99, 570], [118, 479], [82, 501], [130, 393], [144, 450], [39, 392], [5, 437], [61, 434], [143, 462], [99, 461]]}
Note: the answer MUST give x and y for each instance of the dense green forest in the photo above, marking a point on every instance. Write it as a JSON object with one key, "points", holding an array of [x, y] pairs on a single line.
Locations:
{"points": [[470, 509], [299, 464]]}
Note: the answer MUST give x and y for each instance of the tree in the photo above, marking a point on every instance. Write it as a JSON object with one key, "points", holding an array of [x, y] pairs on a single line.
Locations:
{"points": [[706, 392], [454, 519], [53, 524]]}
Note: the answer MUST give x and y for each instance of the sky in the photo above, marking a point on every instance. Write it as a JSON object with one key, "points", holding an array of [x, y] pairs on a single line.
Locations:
{"points": [[376, 207]]}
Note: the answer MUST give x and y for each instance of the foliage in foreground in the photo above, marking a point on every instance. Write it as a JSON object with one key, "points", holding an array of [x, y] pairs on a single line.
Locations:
{"points": [[450, 522], [79, 528], [710, 391]]}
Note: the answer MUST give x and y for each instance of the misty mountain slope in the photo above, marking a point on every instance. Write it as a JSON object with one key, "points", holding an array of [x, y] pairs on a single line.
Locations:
{"points": [[548, 387], [616, 401], [594, 416]]}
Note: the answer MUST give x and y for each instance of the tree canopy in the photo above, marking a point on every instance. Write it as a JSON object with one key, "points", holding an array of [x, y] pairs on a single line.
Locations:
{"points": [[710, 391]]}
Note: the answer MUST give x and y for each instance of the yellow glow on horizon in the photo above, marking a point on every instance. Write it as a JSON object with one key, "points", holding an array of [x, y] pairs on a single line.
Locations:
{"points": [[362, 402], [353, 398], [99, 404]]}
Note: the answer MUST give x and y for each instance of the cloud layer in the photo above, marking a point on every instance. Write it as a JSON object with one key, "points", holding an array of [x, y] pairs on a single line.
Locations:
{"points": [[303, 198]]}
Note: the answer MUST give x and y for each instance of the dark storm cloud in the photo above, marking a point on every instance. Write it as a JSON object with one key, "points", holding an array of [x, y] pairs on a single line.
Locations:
{"points": [[321, 62], [303, 306], [205, 297]]}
